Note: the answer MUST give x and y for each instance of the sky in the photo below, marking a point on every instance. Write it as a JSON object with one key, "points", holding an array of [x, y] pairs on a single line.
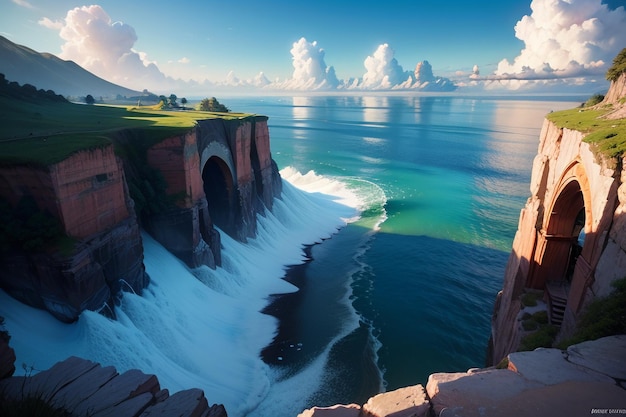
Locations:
{"points": [[515, 45]]}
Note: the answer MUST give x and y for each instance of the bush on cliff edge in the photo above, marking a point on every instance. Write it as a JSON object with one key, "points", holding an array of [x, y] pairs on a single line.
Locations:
{"points": [[603, 317]]}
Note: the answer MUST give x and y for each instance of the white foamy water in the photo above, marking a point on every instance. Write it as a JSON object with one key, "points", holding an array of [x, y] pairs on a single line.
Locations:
{"points": [[200, 328]]}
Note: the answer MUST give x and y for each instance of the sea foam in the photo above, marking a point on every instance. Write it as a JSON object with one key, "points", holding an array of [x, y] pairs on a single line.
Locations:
{"points": [[199, 328]]}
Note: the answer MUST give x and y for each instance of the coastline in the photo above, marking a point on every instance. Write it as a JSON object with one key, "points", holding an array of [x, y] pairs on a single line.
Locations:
{"points": [[322, 328]]}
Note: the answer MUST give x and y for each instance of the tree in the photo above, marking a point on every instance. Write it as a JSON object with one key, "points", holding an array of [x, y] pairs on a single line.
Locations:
{"points": [[172, 100], [89, 99], [211, 104], [183, 101], [619, 66]]}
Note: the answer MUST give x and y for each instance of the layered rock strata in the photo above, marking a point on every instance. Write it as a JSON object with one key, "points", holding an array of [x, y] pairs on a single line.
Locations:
{"points": [[219, 174], [87, 193], [224, 176]]}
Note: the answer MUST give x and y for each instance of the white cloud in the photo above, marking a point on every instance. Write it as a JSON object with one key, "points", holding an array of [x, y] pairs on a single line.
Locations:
{"points": [[23, 3], [383, 70], [310, 71], [184, 60], [50, 24], [565, 39], [105, 48]]}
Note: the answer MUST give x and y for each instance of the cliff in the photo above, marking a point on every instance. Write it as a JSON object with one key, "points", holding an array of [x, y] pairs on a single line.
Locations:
{"points": [[181, 188], [102, 253], [570, 244]]}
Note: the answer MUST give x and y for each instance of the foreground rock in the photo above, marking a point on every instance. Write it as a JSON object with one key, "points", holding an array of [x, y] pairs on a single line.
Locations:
{"points": [[403, 402], [541, 383], [82, 387], [586, 379]]}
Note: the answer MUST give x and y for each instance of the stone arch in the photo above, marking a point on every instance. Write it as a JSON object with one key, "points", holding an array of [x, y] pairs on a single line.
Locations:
{"points": [[569, 212], [222, 152], [219, 188]]}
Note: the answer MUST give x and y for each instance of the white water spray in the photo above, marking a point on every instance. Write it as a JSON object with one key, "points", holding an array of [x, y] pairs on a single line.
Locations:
{"points": [[200, 328]]}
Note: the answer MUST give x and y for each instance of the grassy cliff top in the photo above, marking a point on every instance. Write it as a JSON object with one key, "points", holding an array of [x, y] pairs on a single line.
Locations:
{"points": [[608, 136], [43, 133]]}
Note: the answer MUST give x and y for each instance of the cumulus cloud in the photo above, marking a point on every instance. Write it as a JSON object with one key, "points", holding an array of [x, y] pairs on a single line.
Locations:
{"points": [[309, 69], [105, 48], [383, 70], [184, 60], [565, 39]]}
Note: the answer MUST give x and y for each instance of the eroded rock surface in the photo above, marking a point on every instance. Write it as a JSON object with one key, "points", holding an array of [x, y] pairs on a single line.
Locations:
{"points": [[82, 387]]}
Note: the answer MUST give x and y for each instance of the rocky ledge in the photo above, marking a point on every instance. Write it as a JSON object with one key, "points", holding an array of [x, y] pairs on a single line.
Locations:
{"points": [[84, 388], [588, 378]]}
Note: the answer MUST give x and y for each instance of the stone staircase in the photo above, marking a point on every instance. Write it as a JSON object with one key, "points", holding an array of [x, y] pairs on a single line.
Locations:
{"points": [[557, 300]]}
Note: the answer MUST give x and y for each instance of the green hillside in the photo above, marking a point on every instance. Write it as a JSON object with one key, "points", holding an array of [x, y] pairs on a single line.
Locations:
{"points": [[42, 132]]}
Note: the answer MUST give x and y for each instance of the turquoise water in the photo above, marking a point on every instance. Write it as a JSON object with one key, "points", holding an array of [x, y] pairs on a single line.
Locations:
{"points": [[445, 179], [404, 291]]}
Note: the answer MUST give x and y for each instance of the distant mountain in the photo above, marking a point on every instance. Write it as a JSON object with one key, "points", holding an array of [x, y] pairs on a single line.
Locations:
{"points": [[46, 71]]}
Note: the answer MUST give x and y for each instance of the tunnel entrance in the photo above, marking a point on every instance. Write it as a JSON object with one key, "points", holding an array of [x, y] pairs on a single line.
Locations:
{"points": [[219, 191], [563, 243]]}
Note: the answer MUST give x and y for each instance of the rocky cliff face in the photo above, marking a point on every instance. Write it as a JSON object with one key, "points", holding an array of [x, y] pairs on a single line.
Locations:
{"points": [[570, 242], [87, 194], [219, 174]]}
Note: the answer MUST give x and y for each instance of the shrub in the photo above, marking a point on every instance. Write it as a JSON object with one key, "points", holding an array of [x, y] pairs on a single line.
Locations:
{"points": [[529, 299], [593, 100], [27, 227], [29, 406], [211, 104], [604, 316], [618, 67], [543, 337]]}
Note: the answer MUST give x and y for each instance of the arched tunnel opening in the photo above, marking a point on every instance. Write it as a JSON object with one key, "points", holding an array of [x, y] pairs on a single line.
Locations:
{"points": [[218, 188], [565, 237]]}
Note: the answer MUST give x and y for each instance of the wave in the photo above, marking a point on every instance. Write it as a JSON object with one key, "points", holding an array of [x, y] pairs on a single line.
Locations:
{"points": [[201, 328]]}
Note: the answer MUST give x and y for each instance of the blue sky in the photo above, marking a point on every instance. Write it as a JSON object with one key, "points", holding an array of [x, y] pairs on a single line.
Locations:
{"points": [[204, 41]]}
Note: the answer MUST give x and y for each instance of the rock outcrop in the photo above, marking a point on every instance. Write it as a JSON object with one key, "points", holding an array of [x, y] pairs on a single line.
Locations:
{"points": [[81, 387], [546, 382], [570, 241], [87, 194], [219, 174], [223, 174]]}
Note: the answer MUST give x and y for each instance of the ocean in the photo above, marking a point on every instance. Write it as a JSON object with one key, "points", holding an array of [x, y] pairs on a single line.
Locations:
{"points": [[379, 265]]}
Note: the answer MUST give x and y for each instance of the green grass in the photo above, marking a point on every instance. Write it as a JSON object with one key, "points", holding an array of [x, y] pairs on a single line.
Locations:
{"points": [[608, 137], [604, 316], [529, 299], [46, 133], [543, 337], [534, 321]]}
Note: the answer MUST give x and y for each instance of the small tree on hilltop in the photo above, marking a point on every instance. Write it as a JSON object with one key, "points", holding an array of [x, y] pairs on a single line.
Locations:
{"points": [[211, 104], [172, 100], [618, 67], [183, 101], [89, 99]]}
